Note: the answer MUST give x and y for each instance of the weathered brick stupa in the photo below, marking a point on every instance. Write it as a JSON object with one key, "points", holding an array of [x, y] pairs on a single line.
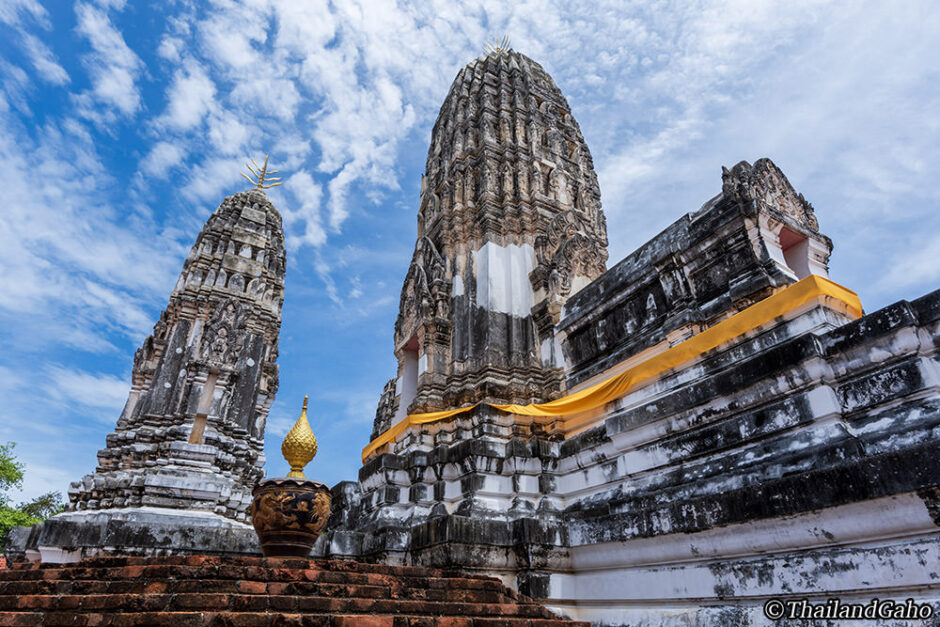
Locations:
{"points": [[177, 472], [706, 425]]}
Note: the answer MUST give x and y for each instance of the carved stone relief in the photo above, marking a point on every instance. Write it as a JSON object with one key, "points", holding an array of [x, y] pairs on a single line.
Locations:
{"points": [[766, 185]]}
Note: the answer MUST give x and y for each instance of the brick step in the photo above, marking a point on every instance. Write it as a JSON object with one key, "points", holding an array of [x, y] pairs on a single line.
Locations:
{"points": [[263, 602], [263, 619], [326, 572], [90, 578], [231, 591], [231, 567], [492, 593]]}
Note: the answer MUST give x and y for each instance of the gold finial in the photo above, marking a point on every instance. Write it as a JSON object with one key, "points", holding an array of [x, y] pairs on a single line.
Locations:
{"points": [[261, 179], [300, 445], [498, 45]]}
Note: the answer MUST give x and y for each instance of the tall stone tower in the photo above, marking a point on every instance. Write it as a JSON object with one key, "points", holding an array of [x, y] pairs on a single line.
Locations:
{"points": [[509, 226], [189, 443]]}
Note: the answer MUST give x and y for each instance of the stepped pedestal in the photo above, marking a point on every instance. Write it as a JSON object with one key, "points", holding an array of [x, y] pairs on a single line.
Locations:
{"points": [[212, 590], [72, 536]]}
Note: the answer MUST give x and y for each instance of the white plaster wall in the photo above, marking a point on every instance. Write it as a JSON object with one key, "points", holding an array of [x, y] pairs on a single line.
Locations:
{"points": [[762, 231], [578, 283], [885, 571], [551, 352], [816, 257], [884, 548], [897, 516], [502, 278], [797, 257], [401, 412], [457, 289], [547, 356]]}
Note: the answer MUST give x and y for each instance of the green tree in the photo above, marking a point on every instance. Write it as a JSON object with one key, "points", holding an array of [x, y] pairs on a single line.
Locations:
{"points": [[35, 511]]}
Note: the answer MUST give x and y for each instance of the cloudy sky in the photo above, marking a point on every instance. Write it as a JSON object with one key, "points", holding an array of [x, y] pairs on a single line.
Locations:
{"points": [[123, 125]]}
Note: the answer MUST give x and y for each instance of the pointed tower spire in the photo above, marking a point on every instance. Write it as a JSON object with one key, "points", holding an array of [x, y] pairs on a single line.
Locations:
{"points": [[509, 226], [190, 438]]}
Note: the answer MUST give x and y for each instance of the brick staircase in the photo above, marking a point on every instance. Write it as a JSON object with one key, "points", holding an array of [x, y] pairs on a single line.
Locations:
{"points": [[247, 591]]}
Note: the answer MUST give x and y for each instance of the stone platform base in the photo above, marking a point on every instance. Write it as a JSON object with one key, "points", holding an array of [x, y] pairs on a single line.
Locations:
{"points": [[179, 591], [73, 536]]}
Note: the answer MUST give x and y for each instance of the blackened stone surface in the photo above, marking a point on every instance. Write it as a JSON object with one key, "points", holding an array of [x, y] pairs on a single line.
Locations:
{"points": [[685, 279], [188, 446], [191, 434], [139, 531], [509, 227], [803, 418]]}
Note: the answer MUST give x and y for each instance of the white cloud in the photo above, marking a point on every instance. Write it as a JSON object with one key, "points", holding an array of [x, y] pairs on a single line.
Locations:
{"points": [[227, 133], [171, 48], [41, 479], [211, 176], [276, 97], [10, 380], [324, 270], [231, 34], [16, 87], [96, 391], [162, 157], [111, 4], [913, 265], [44, 61], [112, 65], [294, 150], [359, 406], [279, 424], [304, 28], [124, 310], [307, 195], [356, 290], [190, 97], [12, 11], [70, 272], [264, 89]]}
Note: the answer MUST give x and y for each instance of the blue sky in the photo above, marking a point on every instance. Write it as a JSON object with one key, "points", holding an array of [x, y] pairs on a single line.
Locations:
{"points": [[123, 125]]}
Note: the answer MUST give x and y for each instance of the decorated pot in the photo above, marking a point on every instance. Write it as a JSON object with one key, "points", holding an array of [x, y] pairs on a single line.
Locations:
{"points": [[289, 514]]}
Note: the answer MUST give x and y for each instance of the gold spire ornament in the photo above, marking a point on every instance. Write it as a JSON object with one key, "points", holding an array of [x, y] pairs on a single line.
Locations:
{"points": [[261, 179], [300, 445], [497, 46]]}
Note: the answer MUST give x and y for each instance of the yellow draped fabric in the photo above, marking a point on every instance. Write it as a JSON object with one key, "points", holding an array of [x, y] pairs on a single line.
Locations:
{"points": [[412, 419], [602, 393]]}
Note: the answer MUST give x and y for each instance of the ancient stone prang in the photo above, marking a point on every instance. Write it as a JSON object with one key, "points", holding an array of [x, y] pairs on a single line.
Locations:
{"points": [[176, 474], [509, 226], [191, 434], [796, 457]]}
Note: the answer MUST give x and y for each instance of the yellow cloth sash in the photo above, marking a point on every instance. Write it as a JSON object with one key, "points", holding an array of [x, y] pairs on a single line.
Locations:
{"points": [[598, 395]]}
